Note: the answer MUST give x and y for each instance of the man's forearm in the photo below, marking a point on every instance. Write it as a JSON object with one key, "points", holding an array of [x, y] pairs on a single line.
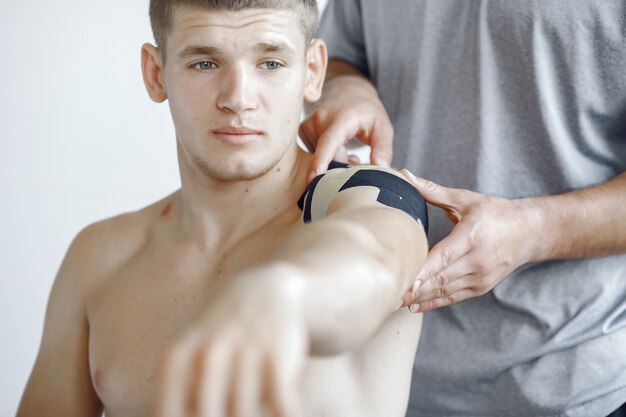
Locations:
{"points": [[583, 223]]}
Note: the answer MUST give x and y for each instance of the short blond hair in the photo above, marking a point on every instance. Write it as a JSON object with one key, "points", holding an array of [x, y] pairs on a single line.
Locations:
{"points": [[162, 13]]}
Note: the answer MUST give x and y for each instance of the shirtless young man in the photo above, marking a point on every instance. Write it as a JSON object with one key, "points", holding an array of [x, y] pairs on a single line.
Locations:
{"points": [[219, 300]]}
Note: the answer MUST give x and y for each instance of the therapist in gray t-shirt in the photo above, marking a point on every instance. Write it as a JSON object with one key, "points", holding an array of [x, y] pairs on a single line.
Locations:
{"points": [[524, 103]]}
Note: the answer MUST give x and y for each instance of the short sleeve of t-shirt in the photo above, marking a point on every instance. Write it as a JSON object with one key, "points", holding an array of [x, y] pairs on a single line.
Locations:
{"points": [[342, 30]]}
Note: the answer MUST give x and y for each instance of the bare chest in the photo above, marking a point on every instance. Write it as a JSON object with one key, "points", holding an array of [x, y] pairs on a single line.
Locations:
{"points": [[145, 306], [138, 312]]}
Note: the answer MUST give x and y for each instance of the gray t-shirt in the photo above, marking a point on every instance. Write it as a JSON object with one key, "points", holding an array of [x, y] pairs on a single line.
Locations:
{"points": [[510, 98]]}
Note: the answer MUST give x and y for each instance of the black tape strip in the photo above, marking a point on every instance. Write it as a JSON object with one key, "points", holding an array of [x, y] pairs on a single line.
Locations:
{"points": [[394, 192], [305, 200], [308, 193]]}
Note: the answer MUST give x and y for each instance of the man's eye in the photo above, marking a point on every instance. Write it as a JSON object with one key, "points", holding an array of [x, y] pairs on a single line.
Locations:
{"points": [[272, 65], [205, 65]]}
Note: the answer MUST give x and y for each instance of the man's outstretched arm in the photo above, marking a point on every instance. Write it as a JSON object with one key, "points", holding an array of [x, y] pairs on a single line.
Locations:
{"points": [[366, 250], [327, 291]]}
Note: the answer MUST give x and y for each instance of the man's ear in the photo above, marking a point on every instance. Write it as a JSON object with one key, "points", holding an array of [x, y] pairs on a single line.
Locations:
{"points": [[316, 62], [152, 70]]}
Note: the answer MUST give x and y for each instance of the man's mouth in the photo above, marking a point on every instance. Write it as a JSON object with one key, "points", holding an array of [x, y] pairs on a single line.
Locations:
{"points": [[237, 135]]}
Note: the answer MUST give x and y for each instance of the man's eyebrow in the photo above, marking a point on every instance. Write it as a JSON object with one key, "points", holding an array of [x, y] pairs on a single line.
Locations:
{"points": [[263, 47], [268, 47], [195, 50]]}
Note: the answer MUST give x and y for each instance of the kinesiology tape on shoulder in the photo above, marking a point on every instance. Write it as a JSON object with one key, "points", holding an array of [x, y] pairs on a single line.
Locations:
{"points": [[394, 192]]}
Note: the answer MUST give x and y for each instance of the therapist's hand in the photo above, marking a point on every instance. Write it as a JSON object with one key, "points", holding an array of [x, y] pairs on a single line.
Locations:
{"points": [[349, 107], [491, 238]]}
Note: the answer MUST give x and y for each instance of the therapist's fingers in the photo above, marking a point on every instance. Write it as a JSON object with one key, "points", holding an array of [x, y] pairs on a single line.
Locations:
{"points": [[444, 297], [330, 141], [342, 155], [445, 253], [381, 142], [448, 277]]}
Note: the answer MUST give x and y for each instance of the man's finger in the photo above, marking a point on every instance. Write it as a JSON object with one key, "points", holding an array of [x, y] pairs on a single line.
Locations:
{"points": [[212, 387], [173, 378], [283, 400], [247, 383]]}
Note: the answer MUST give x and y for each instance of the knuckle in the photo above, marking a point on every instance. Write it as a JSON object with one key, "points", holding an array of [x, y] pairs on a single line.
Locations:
{"points": [[446, 256], [441, 292], [452, 299], [483, 264], [441, 281], [429, 185], [439, 302], [477, 236], [480, 264], [482, 288]]}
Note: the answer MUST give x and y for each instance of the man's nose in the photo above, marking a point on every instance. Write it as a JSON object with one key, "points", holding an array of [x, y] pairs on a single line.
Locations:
{"points": [[237, 91]]}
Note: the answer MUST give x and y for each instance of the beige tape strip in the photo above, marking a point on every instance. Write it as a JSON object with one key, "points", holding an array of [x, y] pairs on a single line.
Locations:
{"points": [[330, 184]]}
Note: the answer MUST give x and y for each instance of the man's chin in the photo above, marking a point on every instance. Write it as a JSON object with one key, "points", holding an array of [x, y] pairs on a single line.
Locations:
{"points": [[237, 176], [233, 172]]}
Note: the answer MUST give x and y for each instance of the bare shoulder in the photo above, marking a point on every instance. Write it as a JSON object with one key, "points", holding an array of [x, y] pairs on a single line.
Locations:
{"points": [[104, 246], [60, 383], [345, 189]]}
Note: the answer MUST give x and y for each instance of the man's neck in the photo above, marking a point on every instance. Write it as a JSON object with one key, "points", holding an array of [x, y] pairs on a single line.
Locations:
{"points": [[214, 212]]}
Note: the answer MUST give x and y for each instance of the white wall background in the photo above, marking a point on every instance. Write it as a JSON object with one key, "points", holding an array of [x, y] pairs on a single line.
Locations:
{"points": [[79, 141]]}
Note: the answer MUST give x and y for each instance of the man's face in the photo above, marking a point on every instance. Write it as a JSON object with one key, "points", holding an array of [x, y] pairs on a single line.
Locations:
{"points": [[235, 84]]}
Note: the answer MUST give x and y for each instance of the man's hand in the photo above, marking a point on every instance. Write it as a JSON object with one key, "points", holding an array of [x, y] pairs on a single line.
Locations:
{"points": [[243, 357], [492, 237], [350, 107]]}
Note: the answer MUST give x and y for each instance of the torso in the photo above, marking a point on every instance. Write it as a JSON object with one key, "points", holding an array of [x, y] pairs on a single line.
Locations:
{"points": [[160, 284], [513, 99]]}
